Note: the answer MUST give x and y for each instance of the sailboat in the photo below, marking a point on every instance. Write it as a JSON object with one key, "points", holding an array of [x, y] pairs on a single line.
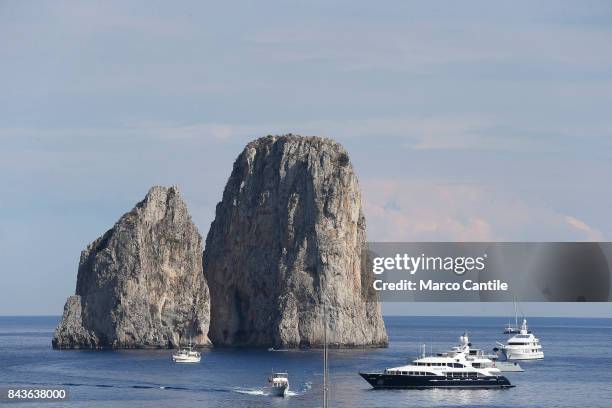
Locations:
{"points": [[513, 329]]}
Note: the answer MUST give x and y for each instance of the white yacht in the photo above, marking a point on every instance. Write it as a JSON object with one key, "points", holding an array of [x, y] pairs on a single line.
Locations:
{"points": [[452, 369], [279, 384], [187, 355], [523, 346]]}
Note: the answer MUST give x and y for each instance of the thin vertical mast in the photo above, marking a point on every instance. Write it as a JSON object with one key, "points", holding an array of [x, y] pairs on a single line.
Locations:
{"points": [[325, 391], [515, 314]]}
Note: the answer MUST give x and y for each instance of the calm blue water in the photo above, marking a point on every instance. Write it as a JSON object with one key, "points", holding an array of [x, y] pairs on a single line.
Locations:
{"points": [[577, 370]]}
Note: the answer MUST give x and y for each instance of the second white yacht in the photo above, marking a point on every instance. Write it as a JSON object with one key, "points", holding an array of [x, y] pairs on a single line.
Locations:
{"points": [[523, 346]]}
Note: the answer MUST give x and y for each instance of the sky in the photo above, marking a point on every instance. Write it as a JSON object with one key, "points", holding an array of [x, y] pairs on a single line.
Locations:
{"points": [[464, 120]]}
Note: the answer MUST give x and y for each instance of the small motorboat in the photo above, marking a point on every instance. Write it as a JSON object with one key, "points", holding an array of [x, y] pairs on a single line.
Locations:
{"points": [[187, 355], [279, 384]]}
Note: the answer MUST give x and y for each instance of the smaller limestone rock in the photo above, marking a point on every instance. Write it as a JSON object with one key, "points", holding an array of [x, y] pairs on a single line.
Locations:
{"points": [[70, 333], [141, 284]]}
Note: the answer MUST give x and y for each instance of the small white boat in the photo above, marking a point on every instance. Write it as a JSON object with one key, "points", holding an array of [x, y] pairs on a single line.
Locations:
{"points": [[188, 355], [511, 329], [503, 365], [523, 346], [481, 360], [509, 367], [279, 384]]}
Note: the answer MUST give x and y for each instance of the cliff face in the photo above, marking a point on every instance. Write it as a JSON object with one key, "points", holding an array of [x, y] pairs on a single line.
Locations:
{"points": [[141, 283], [288, 238]]}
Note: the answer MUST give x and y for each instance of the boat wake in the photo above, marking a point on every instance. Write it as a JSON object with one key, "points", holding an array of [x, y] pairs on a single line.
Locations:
{"points": [[263, 392], [137, 386], [255, 391], [246, 391]]}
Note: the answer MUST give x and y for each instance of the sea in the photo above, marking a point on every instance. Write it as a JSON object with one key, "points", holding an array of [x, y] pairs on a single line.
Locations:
{"points": [[576, 370]]}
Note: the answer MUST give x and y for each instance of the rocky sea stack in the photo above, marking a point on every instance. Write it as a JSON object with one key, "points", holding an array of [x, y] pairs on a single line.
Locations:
{"points": [[287, 239], [141, 283]]}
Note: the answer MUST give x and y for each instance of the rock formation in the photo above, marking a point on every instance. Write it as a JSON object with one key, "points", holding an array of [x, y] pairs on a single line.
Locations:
{"points": [[141, 283], [287, 239]]}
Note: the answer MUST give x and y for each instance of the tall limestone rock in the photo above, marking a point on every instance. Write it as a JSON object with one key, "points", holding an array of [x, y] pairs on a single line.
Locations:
{"points": [[287, 239], [141, 283]]}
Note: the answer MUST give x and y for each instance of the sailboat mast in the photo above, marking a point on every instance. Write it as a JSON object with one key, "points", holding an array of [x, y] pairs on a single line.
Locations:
{"points": [[325, 393], [515, 314]]}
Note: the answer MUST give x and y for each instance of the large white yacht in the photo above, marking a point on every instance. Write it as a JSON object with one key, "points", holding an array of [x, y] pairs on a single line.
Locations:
{"points": [[452, 369], [523, 346]]}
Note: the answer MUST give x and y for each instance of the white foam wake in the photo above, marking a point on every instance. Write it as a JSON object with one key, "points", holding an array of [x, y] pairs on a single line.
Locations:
{"points": [[256, 391]]}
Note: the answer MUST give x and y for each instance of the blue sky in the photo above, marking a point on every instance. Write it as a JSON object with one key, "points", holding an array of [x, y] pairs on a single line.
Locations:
{"points": [[470, 121]]}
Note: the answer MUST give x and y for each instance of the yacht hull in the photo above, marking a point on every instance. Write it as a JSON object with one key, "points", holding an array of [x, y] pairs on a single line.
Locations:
{"points": [[279, 391], [517, 355], [379, 380], [507, 366], [186, 360]]}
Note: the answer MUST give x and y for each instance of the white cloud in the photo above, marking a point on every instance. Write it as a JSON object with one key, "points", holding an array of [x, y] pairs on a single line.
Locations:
{"points": [[591, 233], [426, 210]]}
